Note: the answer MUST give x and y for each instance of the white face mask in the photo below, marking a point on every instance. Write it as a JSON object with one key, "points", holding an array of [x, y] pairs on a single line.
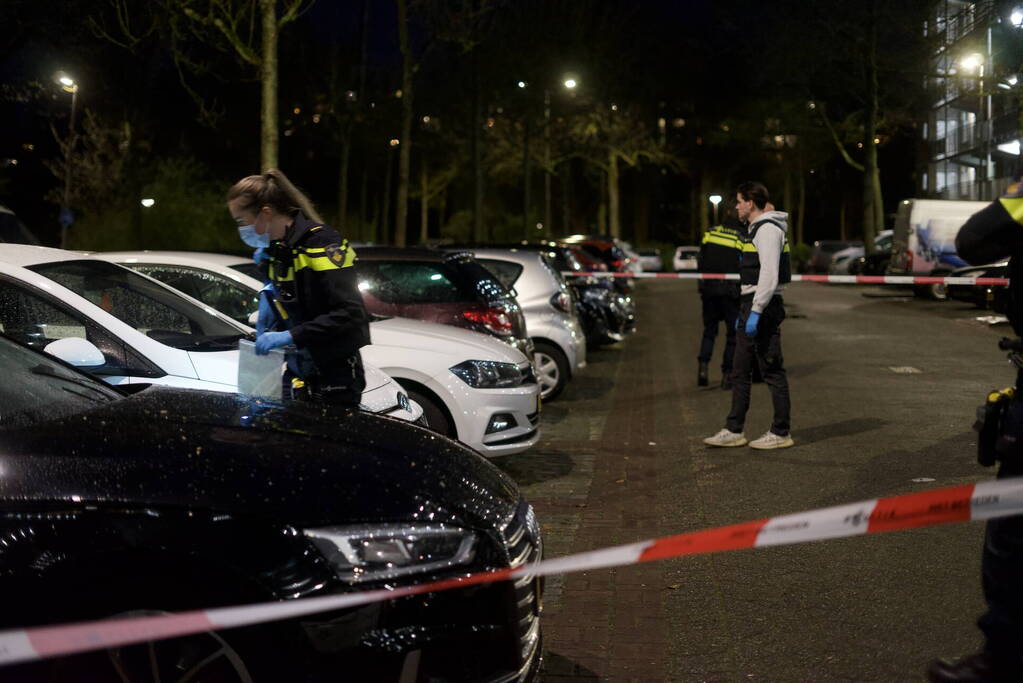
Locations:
{"points": [[249, 235]]}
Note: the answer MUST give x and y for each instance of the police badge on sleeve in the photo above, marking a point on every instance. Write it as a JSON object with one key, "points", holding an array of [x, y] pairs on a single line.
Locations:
{"points": [[337, 253]]}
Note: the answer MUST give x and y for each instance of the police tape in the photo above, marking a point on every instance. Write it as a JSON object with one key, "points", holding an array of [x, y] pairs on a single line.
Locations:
{"points": [[833, 279], [971, 502]]}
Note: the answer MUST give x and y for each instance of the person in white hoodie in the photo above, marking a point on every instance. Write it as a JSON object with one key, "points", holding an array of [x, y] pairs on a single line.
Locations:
{"points": [[764, 271]]}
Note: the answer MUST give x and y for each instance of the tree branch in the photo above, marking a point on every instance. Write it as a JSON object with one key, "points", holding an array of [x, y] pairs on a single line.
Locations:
{"points": [[838, 143]]}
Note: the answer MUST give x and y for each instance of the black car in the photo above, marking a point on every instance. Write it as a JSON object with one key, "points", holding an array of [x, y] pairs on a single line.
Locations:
{"points": [[166, 500], [450, 288], [995, 297], [606, 315]]}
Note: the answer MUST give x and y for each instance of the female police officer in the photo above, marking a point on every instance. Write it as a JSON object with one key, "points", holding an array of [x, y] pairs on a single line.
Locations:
{"points": [[314, 294]]}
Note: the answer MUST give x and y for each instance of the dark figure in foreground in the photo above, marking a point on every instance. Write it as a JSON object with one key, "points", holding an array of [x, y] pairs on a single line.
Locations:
{"points": [[720, 252], [993, 234], [312, 300]]}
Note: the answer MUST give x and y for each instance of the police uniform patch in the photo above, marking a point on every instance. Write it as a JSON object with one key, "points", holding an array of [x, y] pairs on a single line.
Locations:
{"points": [[336, 253], [1014, 191]]}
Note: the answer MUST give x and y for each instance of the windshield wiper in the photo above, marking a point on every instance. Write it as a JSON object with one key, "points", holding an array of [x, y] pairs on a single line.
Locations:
{"points": [[47, 371]]}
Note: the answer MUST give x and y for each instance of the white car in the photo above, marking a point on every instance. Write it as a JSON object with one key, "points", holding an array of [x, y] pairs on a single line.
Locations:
{"points": [[130, 329], [650, 260], [686, 259], [471, 386], [841, 260], [551, 321]]}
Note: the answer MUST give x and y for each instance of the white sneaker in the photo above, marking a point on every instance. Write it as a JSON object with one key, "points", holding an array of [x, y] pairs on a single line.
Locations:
{"points": [[771, 441], [726, 439]]}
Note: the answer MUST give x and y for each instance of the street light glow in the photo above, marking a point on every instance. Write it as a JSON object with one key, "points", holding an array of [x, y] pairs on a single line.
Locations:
{"points": [[972, 62], [148, 202], [522, 84], [715, 199], [1016, 18], [570, 83], [65, 81]]}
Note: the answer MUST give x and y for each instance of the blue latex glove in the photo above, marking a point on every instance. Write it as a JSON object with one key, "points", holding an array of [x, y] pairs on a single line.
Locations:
{"points": [[260, 255], [751, 324], [266, 317], [272, 340]]}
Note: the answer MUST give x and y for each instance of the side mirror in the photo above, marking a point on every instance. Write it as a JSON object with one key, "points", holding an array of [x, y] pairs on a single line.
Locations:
{"points": [[253, 318], [76, 351]]}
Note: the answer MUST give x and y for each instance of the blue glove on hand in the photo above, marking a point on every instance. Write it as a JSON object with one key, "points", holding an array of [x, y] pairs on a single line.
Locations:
{"points": [[266, 318], [751, 324], [272, 340], [260, 255]]}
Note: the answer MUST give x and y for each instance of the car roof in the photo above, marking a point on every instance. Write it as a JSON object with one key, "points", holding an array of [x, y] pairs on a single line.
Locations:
{"points": [[25, 255], [524, 257], [405, 254], [183, 257]]}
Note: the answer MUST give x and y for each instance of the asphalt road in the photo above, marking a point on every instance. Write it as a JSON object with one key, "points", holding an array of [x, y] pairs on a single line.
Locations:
{"points": [[622, 460]]}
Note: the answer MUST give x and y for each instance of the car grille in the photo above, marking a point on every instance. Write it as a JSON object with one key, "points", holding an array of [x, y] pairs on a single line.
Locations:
{"points": [[534, 419], [523, 543]]}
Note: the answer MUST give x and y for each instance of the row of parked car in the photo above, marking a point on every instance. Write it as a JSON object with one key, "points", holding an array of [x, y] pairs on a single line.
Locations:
{"points": [[134, 479]]}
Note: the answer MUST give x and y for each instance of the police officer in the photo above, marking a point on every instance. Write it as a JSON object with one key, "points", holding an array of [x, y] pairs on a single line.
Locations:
{"points": [[313, 294], [720, 252], [993, 234]]}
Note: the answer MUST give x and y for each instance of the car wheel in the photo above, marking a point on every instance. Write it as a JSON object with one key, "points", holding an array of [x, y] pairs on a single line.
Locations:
{"points": [[551, 369], [436, 418]]}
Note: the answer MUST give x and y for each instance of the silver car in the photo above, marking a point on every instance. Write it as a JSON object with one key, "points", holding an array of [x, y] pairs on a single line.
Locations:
{"points": [[546, 301]]}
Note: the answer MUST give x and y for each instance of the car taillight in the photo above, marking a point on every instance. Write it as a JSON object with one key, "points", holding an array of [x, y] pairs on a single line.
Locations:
{"points": [[494, 319], [562, 302], [617, 263]]}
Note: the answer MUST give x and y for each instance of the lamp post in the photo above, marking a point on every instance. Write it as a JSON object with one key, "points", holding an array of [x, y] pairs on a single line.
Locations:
{"points": [[715, 199], [525, 166], [569, 83], [66, 217]]}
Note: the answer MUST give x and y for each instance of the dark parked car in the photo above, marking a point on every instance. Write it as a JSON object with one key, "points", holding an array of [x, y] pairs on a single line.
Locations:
{"points": [[823, 250], [995, 297], [606, 315], [451, 288], [607, 250], [166, 500]]}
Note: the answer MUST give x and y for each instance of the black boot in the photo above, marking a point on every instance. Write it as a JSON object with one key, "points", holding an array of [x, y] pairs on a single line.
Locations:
{"points": [[701, 377], [726, 380], [982, 667]]}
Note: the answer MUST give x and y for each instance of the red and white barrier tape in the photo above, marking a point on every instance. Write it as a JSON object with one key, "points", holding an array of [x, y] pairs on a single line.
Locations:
{"points": [[974, 502], [833, 279]]}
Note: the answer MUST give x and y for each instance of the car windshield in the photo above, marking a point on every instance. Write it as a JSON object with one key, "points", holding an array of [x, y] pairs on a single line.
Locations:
{"points": [[428, 282], [153, 310], [37, 388], [234, 300]]}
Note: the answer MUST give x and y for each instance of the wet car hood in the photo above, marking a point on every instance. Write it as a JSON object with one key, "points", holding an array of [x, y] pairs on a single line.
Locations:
{"points": [[241, 455]]}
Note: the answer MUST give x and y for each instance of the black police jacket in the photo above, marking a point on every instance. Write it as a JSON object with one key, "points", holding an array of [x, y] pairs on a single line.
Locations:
{"points": [[318, 295]]}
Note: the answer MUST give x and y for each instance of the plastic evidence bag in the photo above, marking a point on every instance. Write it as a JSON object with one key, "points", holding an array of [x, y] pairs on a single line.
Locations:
{"points": [[259, 375]]}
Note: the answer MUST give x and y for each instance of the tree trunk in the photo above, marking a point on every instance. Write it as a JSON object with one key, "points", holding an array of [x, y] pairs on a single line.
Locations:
{"points": [[342, 185], [873, 209], [801, 179], [841, 219], [703, 203], [268, 76], [525, 179], [788, 192], [384, 231], [405, 146], [424, 204], [602, 208], [641, 219], [363, 205], [614, 220], [566, 197]]}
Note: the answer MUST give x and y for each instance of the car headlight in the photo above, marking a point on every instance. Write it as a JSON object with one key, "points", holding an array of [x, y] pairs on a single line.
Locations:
{"points": [[487, 374], [386, 552]]}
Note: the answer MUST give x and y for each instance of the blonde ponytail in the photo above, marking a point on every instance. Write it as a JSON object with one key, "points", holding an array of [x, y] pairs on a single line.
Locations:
{"points": [[273, 189]]}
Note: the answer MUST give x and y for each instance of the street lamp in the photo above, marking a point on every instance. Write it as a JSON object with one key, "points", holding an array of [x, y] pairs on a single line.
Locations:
{"points": [[715, 199], [570, 83], [1016, 17], [68, 84]]}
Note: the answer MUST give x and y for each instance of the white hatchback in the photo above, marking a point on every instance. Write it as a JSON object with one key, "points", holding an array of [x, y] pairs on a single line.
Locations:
{"points": [[130, 329], [471, 386], [686, 259], [551, 320]]}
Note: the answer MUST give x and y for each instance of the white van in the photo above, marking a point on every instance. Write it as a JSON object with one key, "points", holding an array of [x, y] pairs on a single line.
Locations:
{"points": [[924, 241]]}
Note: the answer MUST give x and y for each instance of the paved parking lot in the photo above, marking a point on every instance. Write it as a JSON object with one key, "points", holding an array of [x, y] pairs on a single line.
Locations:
{"points": [[884, 389]]}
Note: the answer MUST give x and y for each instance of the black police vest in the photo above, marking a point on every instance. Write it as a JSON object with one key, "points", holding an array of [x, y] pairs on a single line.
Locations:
{"points": [[749, 270], [720, 251]]}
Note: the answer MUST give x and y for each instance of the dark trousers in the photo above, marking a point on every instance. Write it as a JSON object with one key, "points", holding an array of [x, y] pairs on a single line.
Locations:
{"points": [[720, 305], [763, 350], [342, 387], [1002, 558]]}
